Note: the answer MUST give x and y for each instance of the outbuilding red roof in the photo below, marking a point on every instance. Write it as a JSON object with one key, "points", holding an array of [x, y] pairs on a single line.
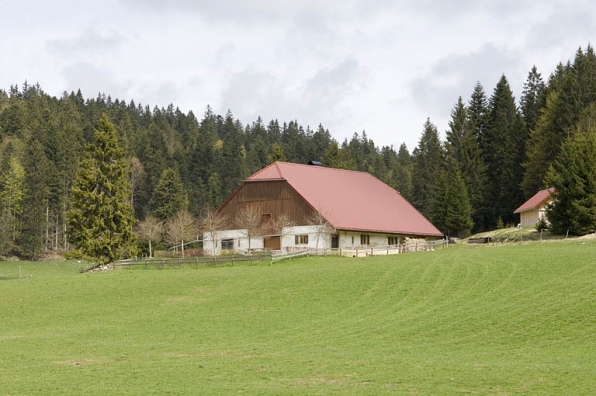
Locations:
{"points": [[536, 201], [351, 200]]}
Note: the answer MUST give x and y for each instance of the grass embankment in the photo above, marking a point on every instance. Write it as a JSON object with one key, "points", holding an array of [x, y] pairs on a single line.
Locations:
{"points": [[528, 233], [485, 320]]}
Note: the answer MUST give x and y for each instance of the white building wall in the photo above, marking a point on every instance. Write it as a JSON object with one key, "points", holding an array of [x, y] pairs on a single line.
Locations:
{"points": [[240, 241], [345, 239], [288, 241]]}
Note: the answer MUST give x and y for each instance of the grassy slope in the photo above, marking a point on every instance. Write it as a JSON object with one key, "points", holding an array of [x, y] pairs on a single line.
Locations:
{"points": [[487, 320]]}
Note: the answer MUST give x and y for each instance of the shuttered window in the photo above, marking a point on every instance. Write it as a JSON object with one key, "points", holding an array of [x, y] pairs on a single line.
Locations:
{"points": [[301, 239], [364, 239]]}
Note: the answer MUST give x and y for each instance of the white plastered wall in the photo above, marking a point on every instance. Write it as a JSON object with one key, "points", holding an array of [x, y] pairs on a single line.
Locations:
{"points": [[238, 236]]}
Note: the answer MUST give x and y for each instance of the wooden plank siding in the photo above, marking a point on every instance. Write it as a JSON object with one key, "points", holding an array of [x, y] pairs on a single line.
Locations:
{"points": [[272, 198]]}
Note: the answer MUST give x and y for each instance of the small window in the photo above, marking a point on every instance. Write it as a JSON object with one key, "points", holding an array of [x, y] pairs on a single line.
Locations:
{"points": [[227, 244], [392, 240], [364, 239], [301, 239], [265, 219]]}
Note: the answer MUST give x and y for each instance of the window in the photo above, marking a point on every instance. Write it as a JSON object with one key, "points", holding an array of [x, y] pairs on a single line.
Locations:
{"points": [[301, 239], [227, 244], [364, 239], [265, 219], [392, 240]]}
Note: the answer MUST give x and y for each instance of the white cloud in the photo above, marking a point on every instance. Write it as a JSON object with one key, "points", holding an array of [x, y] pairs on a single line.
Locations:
{"points": [[382, 66]]}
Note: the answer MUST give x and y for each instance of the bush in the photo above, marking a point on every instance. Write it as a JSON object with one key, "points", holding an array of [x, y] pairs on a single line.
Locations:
{"points": [[500, 224], [542, 224]]}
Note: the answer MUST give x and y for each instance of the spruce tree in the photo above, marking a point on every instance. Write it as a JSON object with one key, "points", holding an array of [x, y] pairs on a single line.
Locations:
{"points": [[101, 217], [530, 99], [169, 196], [503, 141], [403, 174], [428, 160], [276, 154], [463, 146], [36, 210], [571, 89], [453, 212], [573, 175]]}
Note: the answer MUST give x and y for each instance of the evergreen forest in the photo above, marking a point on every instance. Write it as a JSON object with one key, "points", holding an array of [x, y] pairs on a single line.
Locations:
{"points": [[498, 152]]}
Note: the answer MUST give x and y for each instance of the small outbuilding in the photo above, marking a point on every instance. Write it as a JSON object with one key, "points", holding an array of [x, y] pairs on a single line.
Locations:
{"points": [[534, 208]]}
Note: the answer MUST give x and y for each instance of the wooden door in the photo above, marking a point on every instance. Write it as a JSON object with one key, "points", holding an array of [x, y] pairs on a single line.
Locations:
{"points": [[273, 243]]}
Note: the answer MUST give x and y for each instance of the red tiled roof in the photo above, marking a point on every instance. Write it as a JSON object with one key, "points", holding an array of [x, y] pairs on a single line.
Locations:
{"points": [[351, 200], [538, 199]]}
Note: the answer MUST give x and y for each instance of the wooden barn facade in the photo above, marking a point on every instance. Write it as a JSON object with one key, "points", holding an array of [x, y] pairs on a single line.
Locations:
{"points": [[324, 208]]}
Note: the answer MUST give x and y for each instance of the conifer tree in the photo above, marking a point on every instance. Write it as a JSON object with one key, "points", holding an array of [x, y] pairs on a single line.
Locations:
{"points": [[428, 160], [573, 175], [276, 154], [336, 157], [169, 196], [453, 212], [530, 99], [12, 194], [101, 217], [478, 113], [571, 89], [403, 175], [463, 146], [35, 221], [503, 140]]}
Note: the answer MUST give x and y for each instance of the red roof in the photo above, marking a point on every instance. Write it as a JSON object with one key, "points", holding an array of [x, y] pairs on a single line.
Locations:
{"points": [[536, 201], [351, 200]]}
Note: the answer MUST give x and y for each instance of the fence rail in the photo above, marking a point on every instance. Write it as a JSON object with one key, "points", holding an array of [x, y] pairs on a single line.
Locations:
{"points": [[193, 261], [407, 247]]}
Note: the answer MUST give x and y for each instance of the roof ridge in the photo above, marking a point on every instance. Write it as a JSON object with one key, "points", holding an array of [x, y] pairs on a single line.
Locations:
{"points": [[323, 167], [262, 170], [281, 175]]}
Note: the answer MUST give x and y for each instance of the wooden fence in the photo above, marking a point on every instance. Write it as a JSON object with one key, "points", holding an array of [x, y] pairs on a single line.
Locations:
{"points": [[213, 261], [407, 247]]}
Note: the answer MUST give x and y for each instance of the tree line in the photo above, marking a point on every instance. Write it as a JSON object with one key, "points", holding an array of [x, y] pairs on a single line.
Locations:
{"points": [[498, 152]]}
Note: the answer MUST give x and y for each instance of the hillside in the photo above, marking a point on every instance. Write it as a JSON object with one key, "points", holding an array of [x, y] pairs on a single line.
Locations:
{"points": [[482, 320]]}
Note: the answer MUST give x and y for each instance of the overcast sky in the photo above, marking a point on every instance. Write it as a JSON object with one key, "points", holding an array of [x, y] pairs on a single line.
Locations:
{"points": [[379, 66]]}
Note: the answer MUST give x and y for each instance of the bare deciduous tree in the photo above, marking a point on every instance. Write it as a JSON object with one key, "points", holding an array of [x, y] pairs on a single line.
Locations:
{"points": [[250, 219], [150, 229], [322, 225], [281, 223], [180, 228], [212, 222]]}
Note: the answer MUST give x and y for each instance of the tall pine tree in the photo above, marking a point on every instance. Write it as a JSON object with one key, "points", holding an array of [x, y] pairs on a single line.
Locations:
{"points": [[101, 217]]}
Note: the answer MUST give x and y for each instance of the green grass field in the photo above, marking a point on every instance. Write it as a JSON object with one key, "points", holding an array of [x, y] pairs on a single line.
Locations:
{"points": [[466, 320]]}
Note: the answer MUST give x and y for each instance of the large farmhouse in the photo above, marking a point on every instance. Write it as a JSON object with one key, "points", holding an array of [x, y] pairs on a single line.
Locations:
{"points": [[534, 208], [326, 208]]}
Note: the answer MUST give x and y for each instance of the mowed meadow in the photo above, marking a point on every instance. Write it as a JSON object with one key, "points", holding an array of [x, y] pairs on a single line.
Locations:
{"points": [[464, 320]]}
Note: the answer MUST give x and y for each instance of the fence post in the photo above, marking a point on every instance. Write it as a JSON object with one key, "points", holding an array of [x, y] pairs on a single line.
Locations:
{"points": [[251, 259], [213, 261], [566, 235], [541, 235], [271, 261], [232, 261], [178, 263], [197, 263]]}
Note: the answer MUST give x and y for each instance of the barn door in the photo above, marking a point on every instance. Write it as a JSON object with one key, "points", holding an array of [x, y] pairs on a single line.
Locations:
{"points": [[273, 243]]}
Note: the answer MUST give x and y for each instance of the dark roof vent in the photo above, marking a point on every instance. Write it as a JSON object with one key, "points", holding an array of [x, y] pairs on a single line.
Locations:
{"points": [[315, 163]]}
